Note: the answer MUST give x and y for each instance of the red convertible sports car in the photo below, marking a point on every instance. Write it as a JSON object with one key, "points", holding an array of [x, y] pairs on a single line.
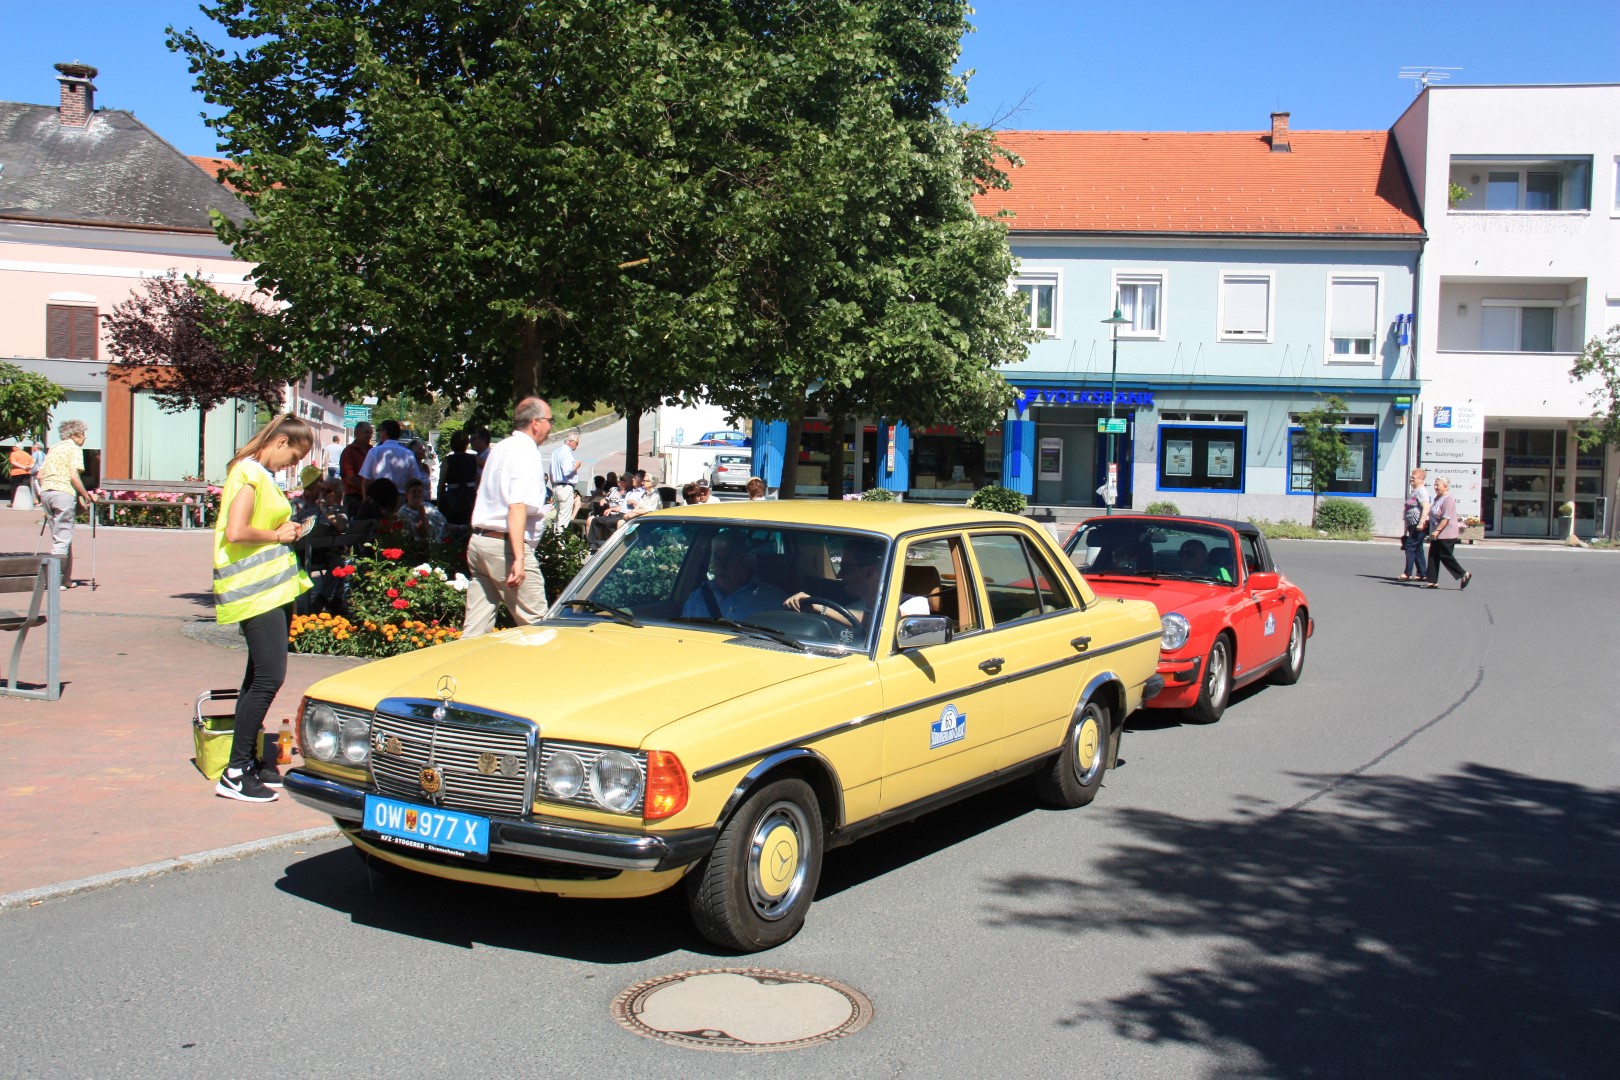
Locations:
{"points": [[1229, 615]]}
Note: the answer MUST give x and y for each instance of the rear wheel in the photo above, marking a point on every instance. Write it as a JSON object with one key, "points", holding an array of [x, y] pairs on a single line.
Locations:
{"points": [[1294, 663], [755, 888], [1076, 773], [1216, 688]]}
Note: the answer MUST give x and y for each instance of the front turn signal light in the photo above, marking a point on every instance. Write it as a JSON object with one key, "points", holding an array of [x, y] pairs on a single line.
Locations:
{"points": [[666, 786]]}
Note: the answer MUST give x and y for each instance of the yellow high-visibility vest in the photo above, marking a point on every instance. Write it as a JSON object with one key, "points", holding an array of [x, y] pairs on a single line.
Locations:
{"points": [[250, 579]]}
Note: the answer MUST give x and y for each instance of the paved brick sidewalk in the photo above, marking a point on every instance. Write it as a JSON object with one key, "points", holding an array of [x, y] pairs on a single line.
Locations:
{"points": [[102, 780]]}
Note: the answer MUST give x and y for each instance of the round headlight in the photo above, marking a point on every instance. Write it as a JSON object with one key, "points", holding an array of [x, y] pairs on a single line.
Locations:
{"points": [[564, 775], [354, 743], [616, 781], [1175, 629], [321, 733]]}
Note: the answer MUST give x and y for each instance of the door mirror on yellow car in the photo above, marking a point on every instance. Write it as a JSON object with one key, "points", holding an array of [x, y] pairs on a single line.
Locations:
{"points": [[917, 631]]}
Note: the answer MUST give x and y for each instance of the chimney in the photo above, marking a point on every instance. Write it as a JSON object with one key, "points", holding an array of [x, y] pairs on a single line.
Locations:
{"points": [[1279, 133], [78, 93]]}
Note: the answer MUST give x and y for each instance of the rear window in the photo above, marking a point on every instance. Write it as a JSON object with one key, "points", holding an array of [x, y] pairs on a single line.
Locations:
{"points": [[732, 459]]}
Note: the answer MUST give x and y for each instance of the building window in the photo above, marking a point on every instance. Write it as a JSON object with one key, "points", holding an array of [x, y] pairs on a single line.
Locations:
{"points": [[1039, 294], [1201, 457], [1518, 325], [1535, 185], [1358, 475], [1616, 207], [1352, 319], [1139, 296], [71, 332], [1245, 313]]}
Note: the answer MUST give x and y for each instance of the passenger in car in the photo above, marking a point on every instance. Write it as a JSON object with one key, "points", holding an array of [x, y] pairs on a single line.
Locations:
{"points": [[734, 591], [1195, 562]]}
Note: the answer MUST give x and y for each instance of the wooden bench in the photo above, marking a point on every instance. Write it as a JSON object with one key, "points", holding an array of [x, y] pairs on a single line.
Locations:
{"points": [[40, 575], [195, 509]]}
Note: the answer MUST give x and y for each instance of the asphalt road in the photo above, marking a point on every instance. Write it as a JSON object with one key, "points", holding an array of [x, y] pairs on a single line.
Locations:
{"points": [[1408, 865]]}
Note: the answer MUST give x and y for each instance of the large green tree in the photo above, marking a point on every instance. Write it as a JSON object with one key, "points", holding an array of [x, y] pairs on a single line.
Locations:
{"points": [[26, 401], [619, 201]]}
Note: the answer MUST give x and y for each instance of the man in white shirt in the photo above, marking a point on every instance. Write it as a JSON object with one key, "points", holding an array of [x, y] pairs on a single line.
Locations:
{"points": [[390, 459], [564, 473], [334, 457], [506, 520]]}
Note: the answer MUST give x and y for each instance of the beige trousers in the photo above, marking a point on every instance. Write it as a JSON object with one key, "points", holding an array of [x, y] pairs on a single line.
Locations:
{"points": [[489, 562]]}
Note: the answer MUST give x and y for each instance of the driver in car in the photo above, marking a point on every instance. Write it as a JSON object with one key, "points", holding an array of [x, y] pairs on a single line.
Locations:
{"points": [[734, 592], [860, 569]]}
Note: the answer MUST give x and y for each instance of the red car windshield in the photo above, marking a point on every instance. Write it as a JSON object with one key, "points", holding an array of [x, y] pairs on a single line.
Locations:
{"points": [[1126, 547]]}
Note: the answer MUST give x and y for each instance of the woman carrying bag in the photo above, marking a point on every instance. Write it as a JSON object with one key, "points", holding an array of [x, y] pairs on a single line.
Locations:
{"points": [[256, 581]]}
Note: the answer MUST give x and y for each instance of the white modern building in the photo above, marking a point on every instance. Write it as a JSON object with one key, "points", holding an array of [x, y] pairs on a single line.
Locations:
{"points": [[1519, 191]]}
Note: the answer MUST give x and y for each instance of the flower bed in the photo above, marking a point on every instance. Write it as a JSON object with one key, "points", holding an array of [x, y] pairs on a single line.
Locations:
{"points": [[159, 516], [337, 636]]}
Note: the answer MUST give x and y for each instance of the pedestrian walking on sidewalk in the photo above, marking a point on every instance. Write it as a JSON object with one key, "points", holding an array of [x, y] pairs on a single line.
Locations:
{"points": [[1416, 519], [564, 476], [256, 582], [506, 523], [62, 489], [1444, 532]]}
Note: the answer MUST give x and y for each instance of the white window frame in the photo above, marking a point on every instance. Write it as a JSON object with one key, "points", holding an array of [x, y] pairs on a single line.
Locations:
{"points": [[1374, 355], [1265, 337], [1035, 278], [1518, 307], [1614, 189], [1161, 278]]}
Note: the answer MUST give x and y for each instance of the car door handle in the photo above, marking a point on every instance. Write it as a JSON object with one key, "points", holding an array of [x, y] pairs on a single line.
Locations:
{"points": [[1083, 642], [992, 665]]}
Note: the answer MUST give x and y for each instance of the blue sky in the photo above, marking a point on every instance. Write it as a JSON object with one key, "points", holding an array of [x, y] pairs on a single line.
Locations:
{"points": [[1061, 64]]}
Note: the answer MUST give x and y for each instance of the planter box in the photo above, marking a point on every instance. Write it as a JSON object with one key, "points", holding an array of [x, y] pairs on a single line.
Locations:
{"points": [[1470, 533]]}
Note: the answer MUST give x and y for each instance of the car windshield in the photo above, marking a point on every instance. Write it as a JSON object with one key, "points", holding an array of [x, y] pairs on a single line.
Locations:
{"points": [[1133, 547], [739, 578]]}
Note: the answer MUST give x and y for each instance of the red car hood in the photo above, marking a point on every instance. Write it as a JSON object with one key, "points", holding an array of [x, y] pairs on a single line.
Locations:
{"points": [[1167, 594]]}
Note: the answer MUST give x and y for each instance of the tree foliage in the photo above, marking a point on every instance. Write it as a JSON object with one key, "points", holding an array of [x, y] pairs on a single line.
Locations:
{"points": [[26, 401], [1322, 445], [1600, 361], [170, 337], [614, 201]]}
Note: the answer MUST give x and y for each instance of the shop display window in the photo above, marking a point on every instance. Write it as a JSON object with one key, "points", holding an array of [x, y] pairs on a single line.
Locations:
{"points": [[1200, 458], [1358, 476], [948, 464]]}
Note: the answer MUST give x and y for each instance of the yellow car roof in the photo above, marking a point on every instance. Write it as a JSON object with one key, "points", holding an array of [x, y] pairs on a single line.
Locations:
{"points": [[879, 517]]}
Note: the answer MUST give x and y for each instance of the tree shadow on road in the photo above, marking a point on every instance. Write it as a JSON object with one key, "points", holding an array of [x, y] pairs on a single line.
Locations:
{"points": [[1457, 926]]}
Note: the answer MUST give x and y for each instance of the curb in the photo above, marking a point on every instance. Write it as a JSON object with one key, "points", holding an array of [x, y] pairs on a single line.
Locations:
{"points": [[30, 897]]}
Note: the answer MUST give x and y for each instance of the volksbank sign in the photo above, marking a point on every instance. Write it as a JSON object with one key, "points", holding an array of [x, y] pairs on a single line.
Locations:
{"points": [[1043, 395]]}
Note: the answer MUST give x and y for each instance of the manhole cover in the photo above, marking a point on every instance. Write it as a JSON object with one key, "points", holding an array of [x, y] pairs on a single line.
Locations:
{"points": [[742, 1010]]}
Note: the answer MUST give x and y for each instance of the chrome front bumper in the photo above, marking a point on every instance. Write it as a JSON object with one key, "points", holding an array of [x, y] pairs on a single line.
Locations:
{"points": [[548, 839]]}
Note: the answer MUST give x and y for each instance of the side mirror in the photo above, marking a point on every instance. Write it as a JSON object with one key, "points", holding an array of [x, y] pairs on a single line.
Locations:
{"points": [[1264, 580], [917, 631]]}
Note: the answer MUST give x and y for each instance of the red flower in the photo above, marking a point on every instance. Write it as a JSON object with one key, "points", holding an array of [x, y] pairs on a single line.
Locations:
{"points": [[391, 593], [342, 571], [410, 583], [402, 604], [392, 553]]}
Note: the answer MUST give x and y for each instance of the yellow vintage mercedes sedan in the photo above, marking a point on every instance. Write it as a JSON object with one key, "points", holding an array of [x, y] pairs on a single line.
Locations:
{"points": [[726, 692]]}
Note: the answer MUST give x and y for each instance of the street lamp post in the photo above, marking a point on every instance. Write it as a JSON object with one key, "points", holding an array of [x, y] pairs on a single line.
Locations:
{"points": [[1112, 483]]}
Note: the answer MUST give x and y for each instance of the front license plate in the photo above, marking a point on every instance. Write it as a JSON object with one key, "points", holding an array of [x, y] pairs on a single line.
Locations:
{"points": [[427, 828]]}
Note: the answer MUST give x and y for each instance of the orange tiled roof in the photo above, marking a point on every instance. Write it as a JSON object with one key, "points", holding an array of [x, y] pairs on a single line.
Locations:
{"points": [[1345, 183], [213, 166]]}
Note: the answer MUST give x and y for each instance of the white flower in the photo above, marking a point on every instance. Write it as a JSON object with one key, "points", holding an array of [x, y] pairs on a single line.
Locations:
{"points": [[425, 568], [460, 583], [440, 571]]}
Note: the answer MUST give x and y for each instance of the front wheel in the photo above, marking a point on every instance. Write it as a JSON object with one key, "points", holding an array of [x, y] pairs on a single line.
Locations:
{"points": [[755, 888], [1076, 773], [1288, 674], [1216, 688]]}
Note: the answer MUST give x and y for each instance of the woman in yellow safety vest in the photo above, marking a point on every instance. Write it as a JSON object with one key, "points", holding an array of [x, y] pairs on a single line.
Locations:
{"points": [[256, 580]]}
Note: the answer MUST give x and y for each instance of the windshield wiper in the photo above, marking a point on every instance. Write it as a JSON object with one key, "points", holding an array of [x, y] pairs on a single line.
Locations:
{"points": [[768, 632], [618, 615]]}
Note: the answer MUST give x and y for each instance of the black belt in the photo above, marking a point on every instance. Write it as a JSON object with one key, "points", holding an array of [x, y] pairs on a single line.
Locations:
{"points": [[489, 532]]}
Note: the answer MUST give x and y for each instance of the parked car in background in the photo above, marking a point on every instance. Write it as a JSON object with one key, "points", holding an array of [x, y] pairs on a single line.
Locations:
{"points": [[927, 654], [731, 471], [1230, 616], [722, 438]]}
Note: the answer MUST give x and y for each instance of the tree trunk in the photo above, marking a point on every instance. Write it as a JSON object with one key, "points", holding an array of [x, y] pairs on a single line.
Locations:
{"points": [[202, 445], [632, 439], [836, 424], [528, 363], [790, 455]]}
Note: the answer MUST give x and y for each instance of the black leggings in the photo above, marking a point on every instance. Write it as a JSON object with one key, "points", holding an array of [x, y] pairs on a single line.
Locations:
{"points": [[266, 670]]}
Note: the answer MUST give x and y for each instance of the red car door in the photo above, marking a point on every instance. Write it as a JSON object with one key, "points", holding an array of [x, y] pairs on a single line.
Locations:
{"points": [[1268, 610]]}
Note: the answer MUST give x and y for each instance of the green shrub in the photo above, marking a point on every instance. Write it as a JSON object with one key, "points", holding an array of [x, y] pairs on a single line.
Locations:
{"points": [[560, 555], [877, 495], [995, 497], [1163, 509], [1343, 515]]}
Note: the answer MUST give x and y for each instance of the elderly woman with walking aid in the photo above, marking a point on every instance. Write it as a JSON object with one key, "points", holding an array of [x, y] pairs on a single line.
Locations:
{"points": [[62, 489], [256, 583]]}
